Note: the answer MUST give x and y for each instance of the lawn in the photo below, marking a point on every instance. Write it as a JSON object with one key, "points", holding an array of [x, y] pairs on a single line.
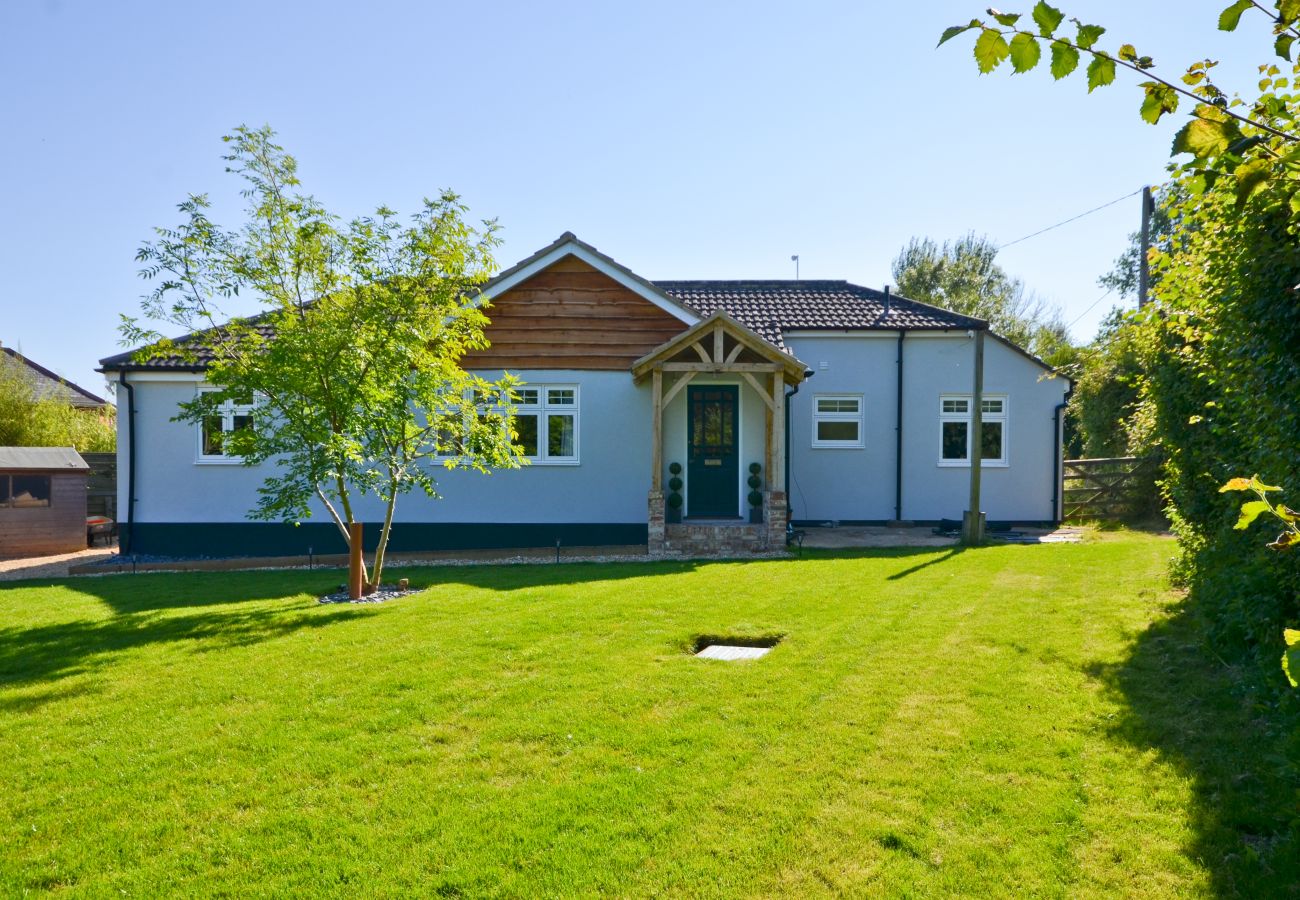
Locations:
{"points": [[1021, 719]]}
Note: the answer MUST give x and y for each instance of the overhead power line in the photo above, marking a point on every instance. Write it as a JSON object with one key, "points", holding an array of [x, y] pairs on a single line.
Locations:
{"points": [[1071, 219], [1090, 308]]}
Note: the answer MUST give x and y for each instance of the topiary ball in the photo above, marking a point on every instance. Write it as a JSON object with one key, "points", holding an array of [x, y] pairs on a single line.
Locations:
{"points": [[755, 498], [675, 501], [755, 468], [674, 483], [675, 468], [755, 482]]}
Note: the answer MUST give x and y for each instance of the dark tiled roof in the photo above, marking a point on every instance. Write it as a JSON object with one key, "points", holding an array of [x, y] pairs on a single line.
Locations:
{"points": [[191, 355], [771, 308], [48, 386]]}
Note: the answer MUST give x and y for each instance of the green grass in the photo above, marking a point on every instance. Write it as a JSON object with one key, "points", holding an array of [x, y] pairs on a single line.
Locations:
{"points": [[1029, 720]]}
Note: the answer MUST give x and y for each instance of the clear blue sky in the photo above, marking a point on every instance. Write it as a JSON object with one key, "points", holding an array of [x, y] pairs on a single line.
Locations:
{"points": [[687, 140]]}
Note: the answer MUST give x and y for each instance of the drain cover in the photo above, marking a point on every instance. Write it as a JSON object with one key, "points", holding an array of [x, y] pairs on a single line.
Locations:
{"points": [[728, 651]]}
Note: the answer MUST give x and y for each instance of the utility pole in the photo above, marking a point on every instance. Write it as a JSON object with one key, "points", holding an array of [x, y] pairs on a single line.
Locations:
{"points": [[1144, 269], [972, 530]]}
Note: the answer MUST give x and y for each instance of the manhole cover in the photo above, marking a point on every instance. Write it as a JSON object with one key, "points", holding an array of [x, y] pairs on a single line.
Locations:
{"points": [[726, 651], [715, 646]]}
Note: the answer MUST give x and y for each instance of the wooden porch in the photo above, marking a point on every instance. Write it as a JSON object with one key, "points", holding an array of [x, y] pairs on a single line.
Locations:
{"points": [[720, 345]]}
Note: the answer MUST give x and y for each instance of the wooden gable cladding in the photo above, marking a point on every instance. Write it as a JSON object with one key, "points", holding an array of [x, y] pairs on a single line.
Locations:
{"points": [[571, 316]]}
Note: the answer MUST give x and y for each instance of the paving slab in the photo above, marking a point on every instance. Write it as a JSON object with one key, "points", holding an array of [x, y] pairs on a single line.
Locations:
{"points": [[729, 652]]}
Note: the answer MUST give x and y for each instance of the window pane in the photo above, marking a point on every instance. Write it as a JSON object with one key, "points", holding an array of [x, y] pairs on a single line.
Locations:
{"points": [[837, 431], [991, 406], [991, 440], [560, 396], [960, 407], [837, 405], [560, 435], [243, 423], [527, 427], [954, 440], [212, 435], [527, 397], [30, 491]]}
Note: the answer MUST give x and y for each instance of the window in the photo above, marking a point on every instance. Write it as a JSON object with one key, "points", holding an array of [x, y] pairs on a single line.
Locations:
{"points": [[837, 420], [24, 491], [546, 420], [954, 431], [231, 416]]}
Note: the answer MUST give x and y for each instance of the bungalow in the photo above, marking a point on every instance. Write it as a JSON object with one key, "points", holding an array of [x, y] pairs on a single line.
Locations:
{"points": [[678, 414]]}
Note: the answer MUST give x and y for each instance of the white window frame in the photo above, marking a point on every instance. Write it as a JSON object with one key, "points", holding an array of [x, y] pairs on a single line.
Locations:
{"points": [[858, 417], [1002, 417], [228, 410], [543, 409]]}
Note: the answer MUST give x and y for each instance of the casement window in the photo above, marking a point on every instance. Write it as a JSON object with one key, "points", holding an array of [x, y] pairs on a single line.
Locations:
{"points": [[231, 416], [546, 420], [837, 421], [955, 428], [24, 491]]}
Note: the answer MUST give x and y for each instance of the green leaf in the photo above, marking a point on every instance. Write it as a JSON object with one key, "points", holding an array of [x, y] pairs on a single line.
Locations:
{"points": [[1101, 72], [1250, 511], [1291, 658], [1251, 176], [1285, 541], [1007, 19], [1229, 18], [1128, 52], [1159, 100], [1235, 484], [950, 33], [1202, 138], [1088, 35], [990, 50], [1282, 46], [1286, 513], [1048, 18], [1065, 59], [1257, 485], [1025, 52]]}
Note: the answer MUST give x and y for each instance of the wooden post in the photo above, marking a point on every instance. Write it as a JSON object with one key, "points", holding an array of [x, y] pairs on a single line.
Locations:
{"points": [[973, 525], [355, 587], [657, 430], [776, 475], [1144, 269], [769, 419]]}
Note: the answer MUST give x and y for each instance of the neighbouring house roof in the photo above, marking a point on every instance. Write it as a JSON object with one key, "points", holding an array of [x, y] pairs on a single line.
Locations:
{"points": [[771, 308], [48, 386], [41, 459]]}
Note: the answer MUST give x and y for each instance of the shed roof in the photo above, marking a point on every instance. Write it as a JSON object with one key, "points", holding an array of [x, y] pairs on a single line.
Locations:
{"points": [[42, 459]]}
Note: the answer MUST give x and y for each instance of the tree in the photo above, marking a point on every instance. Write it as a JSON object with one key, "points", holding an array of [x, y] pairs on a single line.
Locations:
{"points": [[964, 276], [27, 420], [352, 366], [1106, 399], [1217, 347]]}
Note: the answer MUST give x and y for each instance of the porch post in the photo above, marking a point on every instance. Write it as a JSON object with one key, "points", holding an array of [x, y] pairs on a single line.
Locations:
{"points": [[656, 430], [776, 512]]}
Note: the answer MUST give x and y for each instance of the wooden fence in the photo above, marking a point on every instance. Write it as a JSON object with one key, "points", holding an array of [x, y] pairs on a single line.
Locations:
{"points": [[101, 489], [1117, 489]]}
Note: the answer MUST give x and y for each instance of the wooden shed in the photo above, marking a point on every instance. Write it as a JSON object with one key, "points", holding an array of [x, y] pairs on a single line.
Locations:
{"points": [[42, 501]]}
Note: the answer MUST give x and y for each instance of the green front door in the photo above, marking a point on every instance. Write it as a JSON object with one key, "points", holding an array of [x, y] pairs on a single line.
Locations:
{"points": [[712, 466]]}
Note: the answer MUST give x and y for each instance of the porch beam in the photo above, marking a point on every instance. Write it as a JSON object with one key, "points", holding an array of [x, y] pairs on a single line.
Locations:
{"points": [[721, 367], [657, 431], [717, 343], [760, 390], [768, 419], [704, 354], [676, 389], [735, 351]]}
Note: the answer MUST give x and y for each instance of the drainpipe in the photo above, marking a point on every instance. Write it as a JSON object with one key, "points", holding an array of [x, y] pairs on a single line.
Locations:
{"points": [[130, 463], [808, 373], [1058, 477], [898, 428]]}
